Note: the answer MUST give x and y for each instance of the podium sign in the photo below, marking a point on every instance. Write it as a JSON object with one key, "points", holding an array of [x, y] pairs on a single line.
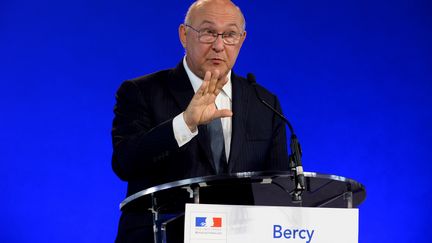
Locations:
{"points": [[205, 223]]}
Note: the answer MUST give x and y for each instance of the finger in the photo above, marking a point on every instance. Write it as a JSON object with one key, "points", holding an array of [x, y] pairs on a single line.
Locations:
{"points": [[222, 113], [202, 89], [207, 78], [220, 84], [213, 81]]}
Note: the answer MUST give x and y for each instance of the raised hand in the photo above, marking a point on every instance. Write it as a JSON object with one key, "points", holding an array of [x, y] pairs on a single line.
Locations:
{"points": [[202, 108]]}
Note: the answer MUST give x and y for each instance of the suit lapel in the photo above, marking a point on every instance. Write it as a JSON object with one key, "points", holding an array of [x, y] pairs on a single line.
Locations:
{"points": [[181, 89], [239, 108]]}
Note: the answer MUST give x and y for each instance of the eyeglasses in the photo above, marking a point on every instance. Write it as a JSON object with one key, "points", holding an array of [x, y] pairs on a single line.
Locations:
{"points": [[209, 36]]}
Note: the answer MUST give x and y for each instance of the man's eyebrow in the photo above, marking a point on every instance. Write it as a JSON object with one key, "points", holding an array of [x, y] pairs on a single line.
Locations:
{"points": [[210, 22], [206, 22]]}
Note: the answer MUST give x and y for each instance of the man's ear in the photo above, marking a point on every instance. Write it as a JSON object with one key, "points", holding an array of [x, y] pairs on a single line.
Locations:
{"points": [[243, 38], [182, 35]]}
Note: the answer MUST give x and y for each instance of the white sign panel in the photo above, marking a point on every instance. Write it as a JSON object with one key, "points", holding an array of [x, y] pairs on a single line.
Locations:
{"points": [[205, 223]]}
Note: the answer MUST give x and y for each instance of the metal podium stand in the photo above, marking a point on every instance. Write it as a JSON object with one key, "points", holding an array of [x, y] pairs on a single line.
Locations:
{"points": [[167, 201]]}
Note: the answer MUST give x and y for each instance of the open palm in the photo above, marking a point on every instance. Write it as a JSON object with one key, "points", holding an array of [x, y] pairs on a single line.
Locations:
{"points": [[202, 108]]}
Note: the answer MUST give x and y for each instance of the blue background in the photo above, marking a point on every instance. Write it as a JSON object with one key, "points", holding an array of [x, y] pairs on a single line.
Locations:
{"points": [[354, 77]]}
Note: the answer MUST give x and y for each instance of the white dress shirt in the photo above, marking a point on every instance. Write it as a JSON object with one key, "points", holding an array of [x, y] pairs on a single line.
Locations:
{"points": [[223, 101]]}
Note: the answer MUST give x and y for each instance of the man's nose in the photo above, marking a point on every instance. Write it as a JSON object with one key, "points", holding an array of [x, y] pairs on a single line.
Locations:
{"points": [[218, 44]]}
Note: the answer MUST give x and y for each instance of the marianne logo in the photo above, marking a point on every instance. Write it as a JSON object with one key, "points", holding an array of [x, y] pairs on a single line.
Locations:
{"points": [[212, 222], [208, 226]]}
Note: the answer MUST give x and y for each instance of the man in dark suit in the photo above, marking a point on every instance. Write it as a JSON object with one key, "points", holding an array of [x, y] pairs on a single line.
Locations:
{"points": [[196, 119]]}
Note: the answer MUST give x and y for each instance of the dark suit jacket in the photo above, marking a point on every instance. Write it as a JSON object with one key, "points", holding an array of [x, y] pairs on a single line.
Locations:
{"points": [[146, 153]]}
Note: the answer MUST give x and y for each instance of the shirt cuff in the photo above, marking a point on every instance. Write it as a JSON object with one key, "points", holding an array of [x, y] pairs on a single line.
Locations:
{"points": [[182, 133]]}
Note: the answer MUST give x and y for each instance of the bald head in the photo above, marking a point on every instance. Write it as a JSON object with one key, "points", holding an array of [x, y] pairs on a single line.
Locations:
{"points": [[201, 5]]}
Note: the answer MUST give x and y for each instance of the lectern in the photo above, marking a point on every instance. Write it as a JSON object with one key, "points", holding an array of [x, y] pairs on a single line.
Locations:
{"points": [[167, 201]]}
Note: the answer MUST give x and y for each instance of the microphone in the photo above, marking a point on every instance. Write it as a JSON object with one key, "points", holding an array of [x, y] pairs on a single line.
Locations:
{"points": [[295, 161]]}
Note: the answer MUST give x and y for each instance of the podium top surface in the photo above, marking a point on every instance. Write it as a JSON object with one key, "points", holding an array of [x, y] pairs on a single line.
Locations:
{"points": [[315, 182]]}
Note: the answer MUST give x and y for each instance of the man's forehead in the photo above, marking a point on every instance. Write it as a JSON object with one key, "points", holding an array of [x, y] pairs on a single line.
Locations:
{"points": [[218, 20]]}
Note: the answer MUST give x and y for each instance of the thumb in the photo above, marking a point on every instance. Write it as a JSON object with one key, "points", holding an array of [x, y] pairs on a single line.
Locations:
{"points": [[223, 113]]}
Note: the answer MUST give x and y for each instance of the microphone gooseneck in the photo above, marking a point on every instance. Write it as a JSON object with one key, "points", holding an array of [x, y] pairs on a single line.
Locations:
{"points": [[295, 155]]}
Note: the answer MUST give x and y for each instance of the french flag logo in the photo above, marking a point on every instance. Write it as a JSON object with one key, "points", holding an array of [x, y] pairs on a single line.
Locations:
{"points": [[213, 222]]}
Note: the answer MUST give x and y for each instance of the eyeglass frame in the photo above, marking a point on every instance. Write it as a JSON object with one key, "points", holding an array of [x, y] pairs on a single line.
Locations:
{"points": [[216, 35]]}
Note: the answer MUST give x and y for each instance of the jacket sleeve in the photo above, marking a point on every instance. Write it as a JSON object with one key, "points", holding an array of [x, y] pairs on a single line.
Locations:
{"points": [[139, 144]]}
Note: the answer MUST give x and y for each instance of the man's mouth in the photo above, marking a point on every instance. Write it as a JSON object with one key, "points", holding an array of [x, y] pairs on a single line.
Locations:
{"points": [[216, 60]]}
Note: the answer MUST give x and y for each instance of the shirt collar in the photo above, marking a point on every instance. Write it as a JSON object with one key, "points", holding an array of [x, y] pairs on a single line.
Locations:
{"points": [[196, 81]]}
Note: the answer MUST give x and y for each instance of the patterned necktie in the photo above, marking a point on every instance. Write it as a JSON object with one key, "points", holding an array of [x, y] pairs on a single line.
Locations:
{"points": [[217, 144]]}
